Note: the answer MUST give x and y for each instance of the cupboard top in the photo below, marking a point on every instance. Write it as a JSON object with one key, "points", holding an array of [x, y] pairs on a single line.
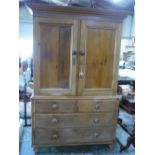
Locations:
{"points": [[77, 12]]}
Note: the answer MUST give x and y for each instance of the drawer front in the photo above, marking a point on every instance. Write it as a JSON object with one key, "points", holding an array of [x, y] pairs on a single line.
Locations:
{"points": [[73, 135], [65, 106], [54, 106], [97, 106], [75, 120]]}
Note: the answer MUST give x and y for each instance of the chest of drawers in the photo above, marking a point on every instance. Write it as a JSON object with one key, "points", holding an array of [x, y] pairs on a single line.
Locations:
{"points": [[76, 121]]}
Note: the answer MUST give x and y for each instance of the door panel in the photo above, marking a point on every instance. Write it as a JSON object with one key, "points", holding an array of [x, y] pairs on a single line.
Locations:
{"points": [[98, 63], [55, 56], [99, 60], [56, 40]]}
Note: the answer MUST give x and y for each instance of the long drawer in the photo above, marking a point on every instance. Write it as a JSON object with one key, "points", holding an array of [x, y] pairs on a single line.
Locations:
{"points": [[74, 120], [66, 106], [73, 135]]}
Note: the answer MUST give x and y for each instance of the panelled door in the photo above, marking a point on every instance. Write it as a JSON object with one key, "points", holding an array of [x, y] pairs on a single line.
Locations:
{"points": [[98, 61], [54, 60]]}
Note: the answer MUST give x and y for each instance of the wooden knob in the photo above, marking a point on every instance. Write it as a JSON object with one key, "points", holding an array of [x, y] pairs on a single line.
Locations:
{"points": [[54, 120], [96, 120], [97, 106], [74, 52], [55, 136], [96, 135], [54, 106], [82, 53]]}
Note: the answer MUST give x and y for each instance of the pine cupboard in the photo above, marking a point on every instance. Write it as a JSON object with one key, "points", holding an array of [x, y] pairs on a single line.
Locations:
{"points": [[76, 56]]}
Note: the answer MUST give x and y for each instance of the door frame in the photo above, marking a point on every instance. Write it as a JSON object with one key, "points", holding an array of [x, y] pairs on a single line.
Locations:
{"points": [[73, 58], [82, 58]]}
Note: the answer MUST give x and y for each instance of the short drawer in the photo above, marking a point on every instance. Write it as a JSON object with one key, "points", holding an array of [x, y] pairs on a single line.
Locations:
{"points": [[74, 120], [73, 136], [54, 106], [97, 105]]}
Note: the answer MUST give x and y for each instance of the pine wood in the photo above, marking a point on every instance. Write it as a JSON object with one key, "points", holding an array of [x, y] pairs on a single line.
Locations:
{"points": [[55, 106], [55, 40], [74, 120], [111, 14], [76, 56], [58, 106], [97, 106], [99, 62], [105, 98], [63, 136], [55, 54]]}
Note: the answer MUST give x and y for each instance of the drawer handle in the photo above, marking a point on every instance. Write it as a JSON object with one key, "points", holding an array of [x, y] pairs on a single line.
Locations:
{"points": [[82, 53], [96, 135], [74, 52], [55, 136], [96, 120], [54, 120], [54, 106], [97, 106]]}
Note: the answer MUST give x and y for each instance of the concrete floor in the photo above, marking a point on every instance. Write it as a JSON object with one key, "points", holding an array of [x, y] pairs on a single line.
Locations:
{"points": [[26, 148]]}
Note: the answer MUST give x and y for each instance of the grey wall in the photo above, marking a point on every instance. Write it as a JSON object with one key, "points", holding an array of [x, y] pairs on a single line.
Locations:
{"points": [[25, 24], [25, 29], [133, 27], [128, 29]]}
